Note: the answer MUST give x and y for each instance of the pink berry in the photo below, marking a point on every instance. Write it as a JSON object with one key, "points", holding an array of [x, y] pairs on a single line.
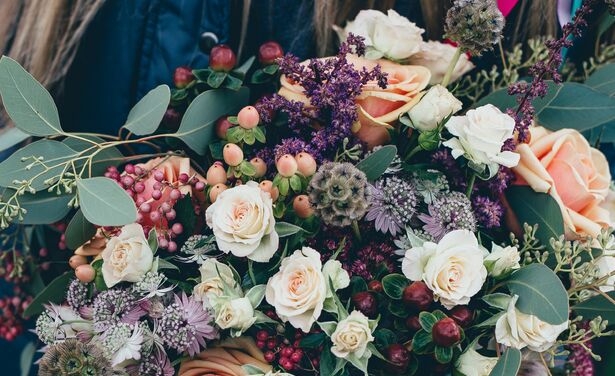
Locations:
{"points": [[43, 252], [127, 181], [262, 335], [248, 117], [267, 186], [215, 191], [261, 345], [233, 155], [216, 175], [175, 194], [165, 207], [286, 165], [145, 208], [260, 166], [130, 169], [199, 186], [172, 247], [138, 170], [302, 207], [156, 195], [222, 126], [177, 228], [306, 164], [183, 178], [163, 242], [85, 273], [158, 176], [171, 214], [154, 216]]}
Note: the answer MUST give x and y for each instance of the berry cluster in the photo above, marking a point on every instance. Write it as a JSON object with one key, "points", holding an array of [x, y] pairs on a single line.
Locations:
{"points": [[12, 308]]}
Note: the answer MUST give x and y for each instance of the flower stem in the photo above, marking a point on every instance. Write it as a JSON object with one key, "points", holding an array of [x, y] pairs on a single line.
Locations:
{"points": [[251, 272], [471, 185], [451, 67], [415, 150], [355, 229]]}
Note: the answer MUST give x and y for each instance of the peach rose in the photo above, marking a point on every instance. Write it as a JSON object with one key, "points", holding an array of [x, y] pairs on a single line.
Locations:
{"points": [[576, 175], [377, 107], [226, 359]]}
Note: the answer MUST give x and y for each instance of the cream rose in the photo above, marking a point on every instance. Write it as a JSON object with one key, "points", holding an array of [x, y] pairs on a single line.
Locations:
{"points": [[214, 276], [351, 336], [577, 176], [386, 35], [517, 329], [127, 257], [502, 260], [480, 135], [453, 269], [235, 314], [436, 56], [298, 290], [471, 363], [243, 223], [435, 106]]}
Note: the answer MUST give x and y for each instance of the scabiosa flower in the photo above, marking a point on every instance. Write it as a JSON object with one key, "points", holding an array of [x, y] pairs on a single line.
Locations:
{"points": [[115, 305], [393, 204], [122, 342], [73, 357], [488, 212], [339, 193], [157, 364], [77, 294], [452, 211], [185, 325], [476, 25]]}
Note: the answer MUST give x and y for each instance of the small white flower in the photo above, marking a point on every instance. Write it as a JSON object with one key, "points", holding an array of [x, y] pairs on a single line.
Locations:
{"points": [[435, 106], [130, 348], [436, 57], [517, 329], [351, 336], [235, 314], [127, 257], [215, 277], [480, 135], [471, 363], [501, 261]]}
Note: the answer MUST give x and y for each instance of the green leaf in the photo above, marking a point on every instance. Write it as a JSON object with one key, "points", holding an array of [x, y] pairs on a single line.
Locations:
{"points": [[26, 358], [256, 294], [491, 321], [385, 337], [99, 279], [110, 156], [41, 208], [541, 293], [249, 137], [536, 208], [394, 285], [197, 126], [427, 320], [285, 229], [235, 134], [240, 72], [443, 354], [79, 231], [357, 284], [232, 83], [55, 292], [376, 163], [327, 361], [399, 309], [201, 74], [422, 342], [597, 306], [152, 240], [165, 264], [11, 137], [603, 79], [508, 364], [52, 152], [27, 102], [497, 300], [312, 341], [271, 69], [284, 186], [216, 79], [259, 134], [146, 115], [105, 203], [295, 183], [328, 327]]}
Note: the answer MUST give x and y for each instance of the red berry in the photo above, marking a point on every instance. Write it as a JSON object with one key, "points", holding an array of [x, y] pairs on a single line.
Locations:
{"points": [[260, 344], [365, 302], [269, 356], [262, 335], [413, 323], [446, 332], [286, 364], [462, 315], [296, 356], [398, 357], [222, 126], [222, 58], [182, 77], [286, 352], [183, 178], [271, 344], [418, 296], [375, 286], [268, 52]]}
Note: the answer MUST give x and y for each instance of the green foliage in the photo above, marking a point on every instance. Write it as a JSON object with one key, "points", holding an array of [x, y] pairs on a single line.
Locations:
{"points": [[53, 293], [596, 306], [104, 203], [376, 163], [285, 229], [78, 231], [11, 137], [146, 115], [508, 364], [394, 285]]}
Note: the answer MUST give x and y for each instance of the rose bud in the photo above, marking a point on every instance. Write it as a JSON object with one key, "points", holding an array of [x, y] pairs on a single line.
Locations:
{"points": [[418, 296], [302, 206], [267, 186], [399, 358], [446, 332], [462, 315], [365, 302], [286, 165], [413, 323], [233, 155], [248, 117], [77, 260], [268, 52], [182, 77], [260, 166], [215, 191], [306, 164], [375, 286], [222, 58], [222, 126], [85, 273], [216, 174]]}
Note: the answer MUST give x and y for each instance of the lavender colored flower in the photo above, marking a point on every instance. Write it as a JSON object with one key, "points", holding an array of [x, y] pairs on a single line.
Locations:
{"points": [[488, 212], [580, 360], [292, 146], [452, 211], [393, 204], [77, 294], [185, 325], [113, 306], [157, 364]]}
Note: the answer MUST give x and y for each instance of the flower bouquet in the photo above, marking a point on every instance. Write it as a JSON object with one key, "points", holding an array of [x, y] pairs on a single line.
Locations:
{"points": [[357, 219]]}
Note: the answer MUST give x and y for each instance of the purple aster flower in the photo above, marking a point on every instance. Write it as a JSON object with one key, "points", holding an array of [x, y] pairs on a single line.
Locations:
{"points": [[157, 364], [185, 325], [488, 212], [113, 306], [393, 204], [452, 211]]}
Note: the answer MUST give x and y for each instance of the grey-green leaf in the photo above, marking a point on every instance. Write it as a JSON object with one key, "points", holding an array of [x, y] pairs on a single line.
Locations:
{"points": [[597, 306], [11, 137], [42, 207], [285, 229], [376, 163], [603, 80], [197, 126], [146, 115], [79, 231], [110, 156], [105, 203], [508, 364], [541, 293], [27, 102], [55, 292]]}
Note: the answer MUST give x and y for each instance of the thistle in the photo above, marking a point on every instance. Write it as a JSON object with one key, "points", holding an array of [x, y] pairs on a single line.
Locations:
{"points": [[476, 25]]}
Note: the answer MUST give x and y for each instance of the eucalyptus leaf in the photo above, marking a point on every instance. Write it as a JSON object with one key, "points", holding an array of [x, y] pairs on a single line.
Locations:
{"points": [[376, 163], [26, 358], [285, 229], [55, 292], [11, 137], [508, 364], [27, 102], [497, 300], [256, 294], [42, 207], [104, 203], [110, 156], [597, 306], [146, 115], [603, 79], [78, 231], [164, 264]]}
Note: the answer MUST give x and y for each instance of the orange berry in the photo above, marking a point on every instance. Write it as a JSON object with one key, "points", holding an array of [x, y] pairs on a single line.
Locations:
{"points": [[267, 186], [233, 155], [85, 273], [216, 174], [215, 191], [76, 261], [260, 166], [248, 117], [302, 206], [305, 164], [286, 165]]}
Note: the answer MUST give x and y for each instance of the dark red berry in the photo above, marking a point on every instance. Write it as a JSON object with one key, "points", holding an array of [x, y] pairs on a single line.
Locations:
{"points": [[399, 358], [222, 126], [418, 296], [413, 323], [262, 335], [269, 52], [269, 357], [222, 58], [296, 356], [182, 77], [446, 332], [171, 118], [286, 352], [271, 344], [375, 286], [365, 302], [462, 315]]}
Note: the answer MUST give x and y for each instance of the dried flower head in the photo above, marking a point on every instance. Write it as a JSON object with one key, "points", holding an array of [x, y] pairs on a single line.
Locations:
{"points": [[73, 357], [393, 204], [449, 212], [339, 193], [476, 25]]}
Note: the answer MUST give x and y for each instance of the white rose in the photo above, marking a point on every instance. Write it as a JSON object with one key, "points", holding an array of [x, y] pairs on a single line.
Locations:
{"points": [[214, 276], [452, 269], [243, 223], [436, 57], [517, 329], [339, 277], [481, 133], [501, 261], [127, 257], [390, 35], [298, 290], [351, 336], [436, 104], [606, 266], [235, 314], [471, 363]]}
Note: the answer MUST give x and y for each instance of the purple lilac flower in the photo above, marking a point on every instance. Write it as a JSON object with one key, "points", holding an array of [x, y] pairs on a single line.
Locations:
{"points": [[113, 306], [450, 212], [488, 212], [185, 325], [500, 181], [393, 204]]}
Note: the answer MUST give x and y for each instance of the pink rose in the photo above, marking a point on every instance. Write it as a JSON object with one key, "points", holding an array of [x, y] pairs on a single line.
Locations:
{"points": [[576, 175]]}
